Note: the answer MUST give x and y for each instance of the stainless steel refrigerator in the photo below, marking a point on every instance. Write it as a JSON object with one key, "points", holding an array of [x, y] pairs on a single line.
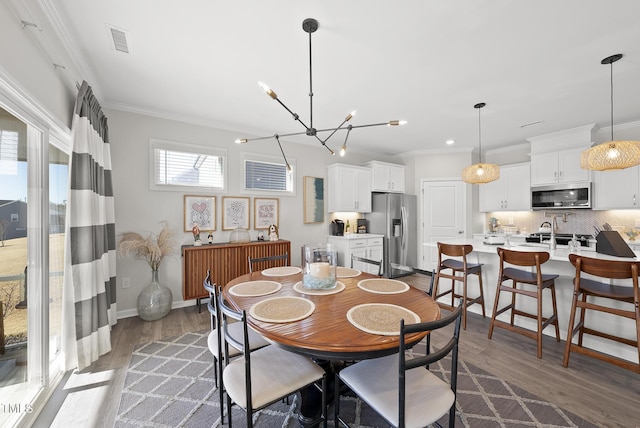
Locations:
{"points": [[394, 216]]}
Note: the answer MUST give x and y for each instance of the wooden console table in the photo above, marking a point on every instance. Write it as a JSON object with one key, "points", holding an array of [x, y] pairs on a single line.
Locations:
{"points": [[226, 261]]}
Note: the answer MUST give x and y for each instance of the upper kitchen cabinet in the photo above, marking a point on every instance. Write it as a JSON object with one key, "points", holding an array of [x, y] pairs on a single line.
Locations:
{"points": [[387, 177], [349, 188], [617, 189], [555, 158], [511, 192], [558, 167]]}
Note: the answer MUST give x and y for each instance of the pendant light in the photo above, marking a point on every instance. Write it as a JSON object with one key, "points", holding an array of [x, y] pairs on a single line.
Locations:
{"points": [[310, 26], [611, 154], [480, 173]]}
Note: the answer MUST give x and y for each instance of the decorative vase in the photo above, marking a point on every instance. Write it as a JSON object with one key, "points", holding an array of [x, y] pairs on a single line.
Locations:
{"points": [[154, 301]]}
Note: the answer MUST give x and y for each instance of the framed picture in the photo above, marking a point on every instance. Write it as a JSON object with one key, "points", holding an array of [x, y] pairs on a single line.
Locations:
{"points": [[265, 212], [313, 199], [235, 212], [199, 210]]}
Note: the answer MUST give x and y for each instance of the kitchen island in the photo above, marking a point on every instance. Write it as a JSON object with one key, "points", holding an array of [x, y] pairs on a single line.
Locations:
{"points": [[557, 264]]}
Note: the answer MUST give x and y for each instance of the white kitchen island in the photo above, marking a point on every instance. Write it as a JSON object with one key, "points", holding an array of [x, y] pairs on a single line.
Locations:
{"points": [[557, 264]]}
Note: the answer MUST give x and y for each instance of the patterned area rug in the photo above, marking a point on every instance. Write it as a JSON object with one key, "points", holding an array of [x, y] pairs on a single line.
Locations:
{"points": [[171, 384]]}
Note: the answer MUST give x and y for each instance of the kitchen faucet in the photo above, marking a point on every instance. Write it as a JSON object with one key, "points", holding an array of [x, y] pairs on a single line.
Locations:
{"points": [[554, 225]]}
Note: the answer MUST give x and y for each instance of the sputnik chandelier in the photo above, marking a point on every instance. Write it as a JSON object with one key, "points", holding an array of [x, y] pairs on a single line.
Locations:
{"points": [[310, 26]]}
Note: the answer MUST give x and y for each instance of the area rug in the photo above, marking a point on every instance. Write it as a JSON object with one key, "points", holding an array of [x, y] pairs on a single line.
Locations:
{"points": [[170, 383]]}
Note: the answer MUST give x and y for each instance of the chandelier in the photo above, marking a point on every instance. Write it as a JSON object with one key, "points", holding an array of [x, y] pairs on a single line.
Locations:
{"points": [[611, 154], [480, 173], [310, 26]]}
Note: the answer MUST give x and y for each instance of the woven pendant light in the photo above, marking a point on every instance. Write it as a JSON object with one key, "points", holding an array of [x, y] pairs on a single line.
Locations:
{"points": [[480, 173], [611, 154]]}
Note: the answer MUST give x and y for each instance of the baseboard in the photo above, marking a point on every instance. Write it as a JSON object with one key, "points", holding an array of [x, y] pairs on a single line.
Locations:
{"points": [[127, 313]]}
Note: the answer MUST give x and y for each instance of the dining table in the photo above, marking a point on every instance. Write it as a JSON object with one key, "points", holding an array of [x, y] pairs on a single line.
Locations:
{"points": [[356, 320]]}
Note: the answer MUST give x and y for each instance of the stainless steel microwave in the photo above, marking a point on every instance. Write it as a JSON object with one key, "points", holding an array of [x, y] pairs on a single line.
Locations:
{"points": [[561, 196]]}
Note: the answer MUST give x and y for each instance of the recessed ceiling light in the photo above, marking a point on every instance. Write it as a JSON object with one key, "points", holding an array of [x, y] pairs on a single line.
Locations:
{"points": [[450, 142]]}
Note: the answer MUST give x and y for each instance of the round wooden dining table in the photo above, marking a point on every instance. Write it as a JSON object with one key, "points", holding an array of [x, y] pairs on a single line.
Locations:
{"points": [[327, 335]]}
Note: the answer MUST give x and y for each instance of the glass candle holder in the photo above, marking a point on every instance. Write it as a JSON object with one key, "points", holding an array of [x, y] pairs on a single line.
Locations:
{"points": [[319, 262]]}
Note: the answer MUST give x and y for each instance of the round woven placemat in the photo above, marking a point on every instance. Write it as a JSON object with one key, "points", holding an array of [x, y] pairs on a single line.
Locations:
{"points": [[281, 271], [282, 309], [380, 318], [383, 286], [299, 287], [345, 272], [255, 288]]}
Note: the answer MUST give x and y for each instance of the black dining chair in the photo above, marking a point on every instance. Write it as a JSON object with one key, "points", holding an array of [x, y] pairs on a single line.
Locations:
{"points": [[400, 388], [261, 377], [268, 262], [357, 259], [214, 340]]}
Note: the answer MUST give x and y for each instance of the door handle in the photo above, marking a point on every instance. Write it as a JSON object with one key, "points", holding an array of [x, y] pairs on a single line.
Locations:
{"points": [[460, 232]]}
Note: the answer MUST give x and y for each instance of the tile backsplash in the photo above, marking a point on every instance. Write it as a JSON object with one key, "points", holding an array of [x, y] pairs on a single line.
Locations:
{"points": [[575, 221]]}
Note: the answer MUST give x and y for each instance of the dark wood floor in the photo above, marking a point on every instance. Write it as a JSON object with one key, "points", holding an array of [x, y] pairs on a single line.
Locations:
{"points": [[601, 393]]}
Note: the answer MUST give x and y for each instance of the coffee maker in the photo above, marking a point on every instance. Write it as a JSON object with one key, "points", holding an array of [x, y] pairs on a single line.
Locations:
{"points": [[337, 227]]}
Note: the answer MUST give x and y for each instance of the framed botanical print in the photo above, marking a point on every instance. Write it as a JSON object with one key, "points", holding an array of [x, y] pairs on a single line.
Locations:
{"points": [[313, 199], [235, 212], [265, 212], [201, 211]]}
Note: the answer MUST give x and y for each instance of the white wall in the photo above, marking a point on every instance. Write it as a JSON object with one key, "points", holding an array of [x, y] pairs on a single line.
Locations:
{"points": [[140, 209]]}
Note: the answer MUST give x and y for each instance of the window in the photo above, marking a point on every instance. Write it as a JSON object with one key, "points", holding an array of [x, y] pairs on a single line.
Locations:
{"points": [[178, 166], [267, 174]]}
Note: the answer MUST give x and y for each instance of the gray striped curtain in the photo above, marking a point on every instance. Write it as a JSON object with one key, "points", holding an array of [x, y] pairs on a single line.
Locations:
{"points": [[90, 249]]}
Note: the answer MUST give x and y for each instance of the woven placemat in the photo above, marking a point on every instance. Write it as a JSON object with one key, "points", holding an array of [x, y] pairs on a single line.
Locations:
{"points": [[281, 271], [255, 288], [345, 272], [383, 286], [299, 287], [282, 309], [381, 318]]}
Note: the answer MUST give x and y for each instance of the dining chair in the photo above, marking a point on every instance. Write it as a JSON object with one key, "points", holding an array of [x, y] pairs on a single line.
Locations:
{"points": [[454, 257], [400, 387], [603, 296], [267, 262], [538, 280], [261, 377], [214, 340], [358, 259]]}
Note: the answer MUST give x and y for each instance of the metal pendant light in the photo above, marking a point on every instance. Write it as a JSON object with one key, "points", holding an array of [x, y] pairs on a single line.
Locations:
{"points": [[611, 154], [480, 173], [310, 26]]}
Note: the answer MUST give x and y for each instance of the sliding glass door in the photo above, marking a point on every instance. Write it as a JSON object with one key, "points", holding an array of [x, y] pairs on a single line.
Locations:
{"points": [[33, 189]]}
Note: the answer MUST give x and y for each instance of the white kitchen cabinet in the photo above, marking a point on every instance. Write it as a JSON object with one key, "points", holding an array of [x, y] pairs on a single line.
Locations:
{"points": [[366, 245], [387, 177], [511, 192], [558, 167], [349, 188], [617, 189]]}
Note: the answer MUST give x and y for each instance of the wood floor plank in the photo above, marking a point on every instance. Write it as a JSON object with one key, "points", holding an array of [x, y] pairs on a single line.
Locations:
{"points": [[601, 393]]}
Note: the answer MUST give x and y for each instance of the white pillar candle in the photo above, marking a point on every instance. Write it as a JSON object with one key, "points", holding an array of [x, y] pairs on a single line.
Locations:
{"points": [[319, 269]]}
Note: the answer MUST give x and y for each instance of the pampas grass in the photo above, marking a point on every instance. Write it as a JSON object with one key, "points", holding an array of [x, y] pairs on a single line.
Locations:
{"points": [[152, 249]]}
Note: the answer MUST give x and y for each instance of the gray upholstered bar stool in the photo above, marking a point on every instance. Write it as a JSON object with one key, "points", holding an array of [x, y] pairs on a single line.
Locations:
{"points": [[460, 269], [519, 276]]}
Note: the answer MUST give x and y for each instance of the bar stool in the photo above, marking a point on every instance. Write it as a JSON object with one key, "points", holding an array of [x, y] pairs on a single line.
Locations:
{"points": [[465, 269], [519, 276], [583, 288]]}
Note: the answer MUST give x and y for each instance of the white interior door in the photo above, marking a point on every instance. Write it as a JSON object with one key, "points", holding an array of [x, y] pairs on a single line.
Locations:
{"points": [[444, 210]]}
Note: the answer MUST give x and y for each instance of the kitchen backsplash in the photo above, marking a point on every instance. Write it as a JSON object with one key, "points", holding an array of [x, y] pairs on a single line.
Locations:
{"points": [[575, 221]]}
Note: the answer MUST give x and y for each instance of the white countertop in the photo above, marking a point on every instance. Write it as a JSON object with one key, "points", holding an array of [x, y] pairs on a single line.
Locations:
{"points": [[357, 236], [561, 253]]}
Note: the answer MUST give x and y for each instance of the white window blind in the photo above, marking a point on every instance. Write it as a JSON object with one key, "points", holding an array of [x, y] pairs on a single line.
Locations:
{"points": [[267, 175], [185, 166]]}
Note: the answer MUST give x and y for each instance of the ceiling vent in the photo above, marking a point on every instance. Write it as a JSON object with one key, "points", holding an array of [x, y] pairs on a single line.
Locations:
{"points": [[119, 40]]}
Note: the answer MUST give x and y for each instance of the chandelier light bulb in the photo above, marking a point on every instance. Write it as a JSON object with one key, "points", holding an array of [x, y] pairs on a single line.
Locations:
{"points": [[241, 141], [343, 150], [613, 152], [268, 90], [480, 171]]}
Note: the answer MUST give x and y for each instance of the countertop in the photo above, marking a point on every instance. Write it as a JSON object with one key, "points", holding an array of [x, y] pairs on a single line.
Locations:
{"points": [[561, 253], [357, 236]]}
